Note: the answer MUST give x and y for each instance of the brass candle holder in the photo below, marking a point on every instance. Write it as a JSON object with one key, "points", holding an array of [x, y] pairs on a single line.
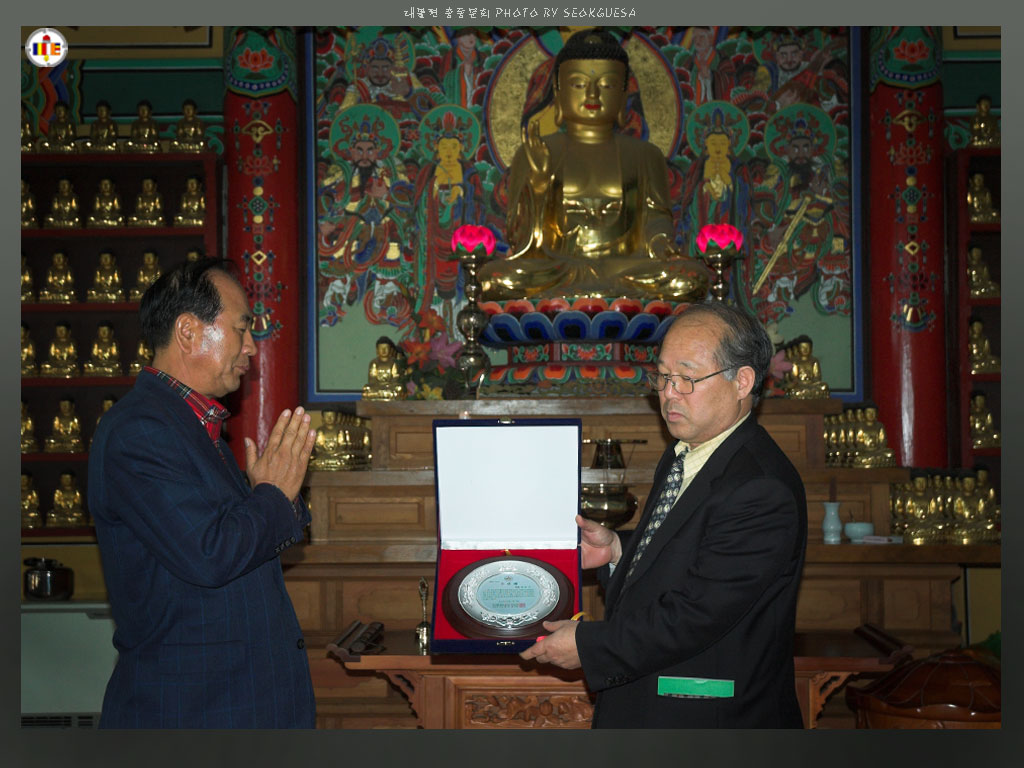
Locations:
{"points": [[719, 246], [473, 245]]}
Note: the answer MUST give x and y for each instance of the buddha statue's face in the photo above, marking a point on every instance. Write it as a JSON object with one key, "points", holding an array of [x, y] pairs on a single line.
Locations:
{"points": [[66, 407], [149, 258], [59, 259], [968, 484], [105, 332], [591, 91], [717, 146], [102, 111], [66, 481], [64, 186], [148, 185], [920, 483], [804, 348], [448, 151], [106, 259], [384, 350], [192, 185], [144, 111], [870, 414], [330, 417], [188, 109], [62, 332]]}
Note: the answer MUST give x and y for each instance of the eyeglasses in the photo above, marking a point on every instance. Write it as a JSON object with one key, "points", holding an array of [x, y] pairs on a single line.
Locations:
{"points": [[684, 385]]}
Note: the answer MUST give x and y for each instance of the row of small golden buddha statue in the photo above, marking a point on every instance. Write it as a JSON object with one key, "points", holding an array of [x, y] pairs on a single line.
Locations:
{"points": [[107, 211], [66, 511], [59, 286], [143, 133], [943, 507], [62, 355], [65, 432], [856, 438], [342, 442]]}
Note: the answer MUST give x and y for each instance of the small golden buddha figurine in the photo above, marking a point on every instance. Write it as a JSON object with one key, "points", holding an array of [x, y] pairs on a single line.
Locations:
{"points": [[106, 282], [30, 517], [979, 352], [803, 381], [332, 449], [872, 447], [106, 405], [193, 256], [106, 209], [28, 208], [981, 285], [147, 275], [898, 495], [64, 207], [105, 359], [966, 525], [149, 206], [192, 209], [589, 212], [66, 436], [59, 287], [63, 359], [28, 431], [386, 377], [62, 132], [28, 134], [979, 201], [854, 420], [983, 430], [28, 354], [144, 135], [189, 131], [919, 511], [984, 125], [143, 357], [102, 131], [67, 511], [27, 292]]}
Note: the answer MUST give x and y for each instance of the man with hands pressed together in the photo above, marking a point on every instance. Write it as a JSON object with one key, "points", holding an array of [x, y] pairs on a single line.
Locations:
{"points": [[705, 588], [205, 631]]}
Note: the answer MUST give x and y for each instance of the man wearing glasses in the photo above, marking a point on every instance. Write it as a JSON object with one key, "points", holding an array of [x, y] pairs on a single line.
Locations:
{"points": [[700, 599]]}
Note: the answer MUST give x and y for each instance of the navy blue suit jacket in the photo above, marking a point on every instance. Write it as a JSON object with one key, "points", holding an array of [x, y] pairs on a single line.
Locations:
{"points": [[205, 632], [714, 596]]}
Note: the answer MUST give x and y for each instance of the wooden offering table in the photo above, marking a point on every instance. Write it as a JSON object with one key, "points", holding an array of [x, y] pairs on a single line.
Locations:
{"points": [[503, 691]]}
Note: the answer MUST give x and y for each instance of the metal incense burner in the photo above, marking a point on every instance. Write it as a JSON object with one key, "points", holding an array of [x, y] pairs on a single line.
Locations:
{"points": [[609, 502]]}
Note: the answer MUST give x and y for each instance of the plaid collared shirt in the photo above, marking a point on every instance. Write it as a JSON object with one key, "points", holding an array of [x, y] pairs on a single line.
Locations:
{"points": [[210, 413]]}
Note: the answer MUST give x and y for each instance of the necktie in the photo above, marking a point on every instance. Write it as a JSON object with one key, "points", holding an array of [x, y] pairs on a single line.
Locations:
{"points": [[666, 501]]}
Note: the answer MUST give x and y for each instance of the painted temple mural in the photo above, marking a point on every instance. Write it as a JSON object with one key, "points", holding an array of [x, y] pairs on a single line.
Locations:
{"points": [[415, 129]]}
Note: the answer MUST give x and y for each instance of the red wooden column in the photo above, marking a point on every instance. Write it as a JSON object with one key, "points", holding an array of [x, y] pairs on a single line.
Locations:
{"points": [[263, 215], [905, 218]]}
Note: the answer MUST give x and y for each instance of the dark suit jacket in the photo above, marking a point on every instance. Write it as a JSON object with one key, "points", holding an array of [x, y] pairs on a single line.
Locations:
{"points": [[205, 632], [714, 596]]}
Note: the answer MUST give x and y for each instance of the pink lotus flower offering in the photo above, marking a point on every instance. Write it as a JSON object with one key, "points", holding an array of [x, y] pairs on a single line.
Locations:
{"points": [[719, 236], [469, 237]]}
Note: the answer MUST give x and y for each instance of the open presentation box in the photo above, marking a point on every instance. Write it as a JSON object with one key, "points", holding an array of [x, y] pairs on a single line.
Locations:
{"points": [[508, 492]]}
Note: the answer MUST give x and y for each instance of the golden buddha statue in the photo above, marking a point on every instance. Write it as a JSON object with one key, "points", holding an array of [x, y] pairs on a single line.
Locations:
{"points": [[387, 373], [984, 126], [28, 354], [67, 511], [982, 286], [854, 420], [59, 287], [149, 206], [979, 201], [147, 275], [102, 131], [106, 405], [64, 207], [192, 209], [979, 352], [106, 208], [62, 133], [28, 431], [106, 282], [27, 292], [105, 359], [30, 517], [66, 436], [28, 134], [144, 135], [333, 447], [919, 511], [898, 495], [579, 224], [28, 208], [143, 357], [872, 448], [189, 131], [803, 380], [193, 256], [63, 359], [983, 431]]}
